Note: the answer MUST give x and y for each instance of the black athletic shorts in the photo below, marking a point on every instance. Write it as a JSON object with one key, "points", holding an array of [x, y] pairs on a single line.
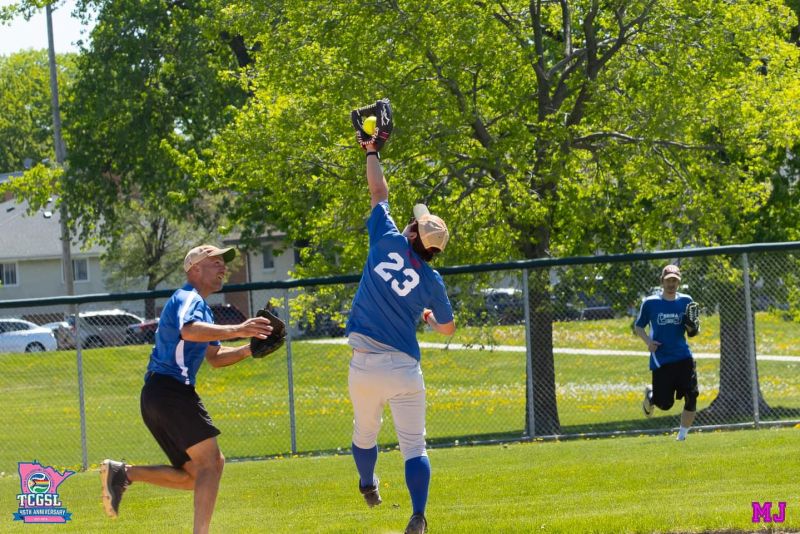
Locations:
{"points": [[674, 380], [175, 415]]}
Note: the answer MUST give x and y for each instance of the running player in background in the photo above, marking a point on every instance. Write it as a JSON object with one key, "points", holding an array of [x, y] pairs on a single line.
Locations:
{"points": [[671, 360], [396, 288]]}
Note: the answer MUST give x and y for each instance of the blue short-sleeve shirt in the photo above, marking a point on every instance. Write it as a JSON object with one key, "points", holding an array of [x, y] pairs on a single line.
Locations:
{"points": [[172, 355], [665, 318], [396, 285]]}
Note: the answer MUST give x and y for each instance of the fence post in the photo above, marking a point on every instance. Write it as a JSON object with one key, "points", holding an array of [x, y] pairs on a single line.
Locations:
{"points": [[531, 422], [751, 349], [292, 421], [81, 399]]}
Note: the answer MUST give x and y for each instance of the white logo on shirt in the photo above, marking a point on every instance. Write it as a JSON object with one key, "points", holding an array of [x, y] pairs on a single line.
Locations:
{"points": [[668, 318]]}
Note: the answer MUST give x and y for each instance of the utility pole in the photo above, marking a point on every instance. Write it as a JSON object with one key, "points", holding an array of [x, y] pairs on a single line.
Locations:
{"points": [[66, 255], [61, 155]]}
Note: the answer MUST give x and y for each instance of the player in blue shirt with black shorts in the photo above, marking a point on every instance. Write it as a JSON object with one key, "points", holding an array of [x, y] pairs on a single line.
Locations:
{"points": [[171, 408], [397, 287], [671, 360]]}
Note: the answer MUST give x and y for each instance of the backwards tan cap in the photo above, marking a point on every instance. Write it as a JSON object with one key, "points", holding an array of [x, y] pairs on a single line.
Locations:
{"points": [[198, 254], [432, 230]]}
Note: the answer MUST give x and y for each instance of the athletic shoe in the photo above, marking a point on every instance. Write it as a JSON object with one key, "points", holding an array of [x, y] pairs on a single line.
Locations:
{"points": [[371, 493], [114, 480], [647, 406], [417, 525]]}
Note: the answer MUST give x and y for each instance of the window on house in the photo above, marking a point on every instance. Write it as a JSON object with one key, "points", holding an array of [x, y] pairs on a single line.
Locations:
{"points": [[80, 270], [267, 261], [8, 274]]}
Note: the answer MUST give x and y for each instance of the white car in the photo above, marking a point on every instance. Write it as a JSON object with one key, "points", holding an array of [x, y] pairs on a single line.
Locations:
{"points": [[17, 335]]}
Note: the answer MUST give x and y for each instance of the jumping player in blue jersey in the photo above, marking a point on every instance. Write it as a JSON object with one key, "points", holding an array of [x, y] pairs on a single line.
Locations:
{"points": [[397, 287], [674, 372], [171, 409]]}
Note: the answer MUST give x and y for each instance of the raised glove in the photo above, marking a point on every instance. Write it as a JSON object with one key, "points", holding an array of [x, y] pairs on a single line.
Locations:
{"points": [[261, 347], [691, 319], [382, 111]]}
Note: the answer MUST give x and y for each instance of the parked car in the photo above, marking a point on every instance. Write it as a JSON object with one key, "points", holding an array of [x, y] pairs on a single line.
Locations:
{"points": [[227, 314], [594, 313], [504, 305], [145, 331], [17, 335], [104, 328], [63, 334], [324, 325], [142, 333]]}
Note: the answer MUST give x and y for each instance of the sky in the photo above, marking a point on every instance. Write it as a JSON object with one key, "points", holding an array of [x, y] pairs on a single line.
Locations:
{"points": [[22, 34]]}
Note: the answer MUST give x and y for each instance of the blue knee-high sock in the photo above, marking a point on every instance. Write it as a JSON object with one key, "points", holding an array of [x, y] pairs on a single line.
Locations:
{"points": [[418, 478], [365, 463]]}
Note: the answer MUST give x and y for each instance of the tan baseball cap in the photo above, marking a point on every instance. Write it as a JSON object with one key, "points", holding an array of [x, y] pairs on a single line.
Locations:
{"points": [[432, 230], [671, 271], [198, 254]]}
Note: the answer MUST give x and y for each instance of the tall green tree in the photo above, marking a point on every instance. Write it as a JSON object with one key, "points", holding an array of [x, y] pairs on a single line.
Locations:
{"points": [[535, 128], [148, 99], [149, 94], [151, 250], [26, 120]]}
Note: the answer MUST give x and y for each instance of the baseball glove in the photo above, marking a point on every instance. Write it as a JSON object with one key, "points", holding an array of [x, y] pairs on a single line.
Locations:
{"points": [[261, 347], [691, 319], [382, 111]]}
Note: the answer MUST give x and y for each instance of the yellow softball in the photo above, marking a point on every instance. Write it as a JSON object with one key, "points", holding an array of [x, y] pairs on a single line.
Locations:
{"points": [[369, 125]]}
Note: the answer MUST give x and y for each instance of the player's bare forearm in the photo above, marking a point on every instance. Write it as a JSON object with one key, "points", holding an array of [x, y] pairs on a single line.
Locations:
{"points": [[223, 356], [447, 329], [652, 345], [202, 332], [378, 188]]}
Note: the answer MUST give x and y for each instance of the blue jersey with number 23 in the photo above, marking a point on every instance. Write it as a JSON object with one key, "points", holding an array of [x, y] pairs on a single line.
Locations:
{"points": [[395, 287]]}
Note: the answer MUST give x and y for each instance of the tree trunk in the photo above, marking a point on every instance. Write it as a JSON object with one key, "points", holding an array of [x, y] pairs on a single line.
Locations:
{"points": [[734, 402], [545, 407]]}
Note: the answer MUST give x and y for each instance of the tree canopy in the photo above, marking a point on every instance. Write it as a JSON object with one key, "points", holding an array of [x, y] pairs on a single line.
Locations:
{"points": [[26, 119], [533, 128]]}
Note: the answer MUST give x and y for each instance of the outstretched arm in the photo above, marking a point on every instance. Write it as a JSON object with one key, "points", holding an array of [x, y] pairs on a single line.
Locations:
{"points": [[378, 188]]}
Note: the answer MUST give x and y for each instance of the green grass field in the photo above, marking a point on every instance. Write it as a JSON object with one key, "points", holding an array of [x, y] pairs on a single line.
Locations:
{"points": [[473, 394], [629, 484]]}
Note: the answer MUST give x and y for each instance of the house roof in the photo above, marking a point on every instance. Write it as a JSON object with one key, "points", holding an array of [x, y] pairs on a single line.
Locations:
{"points": [[4, 176], [34, 236]]}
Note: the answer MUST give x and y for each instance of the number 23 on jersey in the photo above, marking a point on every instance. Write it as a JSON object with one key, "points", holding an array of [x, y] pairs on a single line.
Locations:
{"points": [[397, 264]]}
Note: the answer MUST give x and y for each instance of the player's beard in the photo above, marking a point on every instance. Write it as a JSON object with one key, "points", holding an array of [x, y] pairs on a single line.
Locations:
{"points": [[425, 254]]}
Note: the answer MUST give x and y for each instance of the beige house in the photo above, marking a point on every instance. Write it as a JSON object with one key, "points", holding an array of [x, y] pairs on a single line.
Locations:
{"points": [[30, 255], [31, 265]]}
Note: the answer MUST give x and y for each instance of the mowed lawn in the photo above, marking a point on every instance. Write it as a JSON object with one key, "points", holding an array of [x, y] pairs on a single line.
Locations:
{"points": [[474, 394], [625, 484]]}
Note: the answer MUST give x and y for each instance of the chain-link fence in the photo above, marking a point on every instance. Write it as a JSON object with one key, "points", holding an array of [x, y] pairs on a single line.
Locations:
{"points": [[542, 348]]}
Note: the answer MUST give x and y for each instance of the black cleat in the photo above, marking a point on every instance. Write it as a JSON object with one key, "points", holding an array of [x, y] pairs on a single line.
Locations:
{"points": [[115, 481], [371, 494], [417, 524], [647, 405]]}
